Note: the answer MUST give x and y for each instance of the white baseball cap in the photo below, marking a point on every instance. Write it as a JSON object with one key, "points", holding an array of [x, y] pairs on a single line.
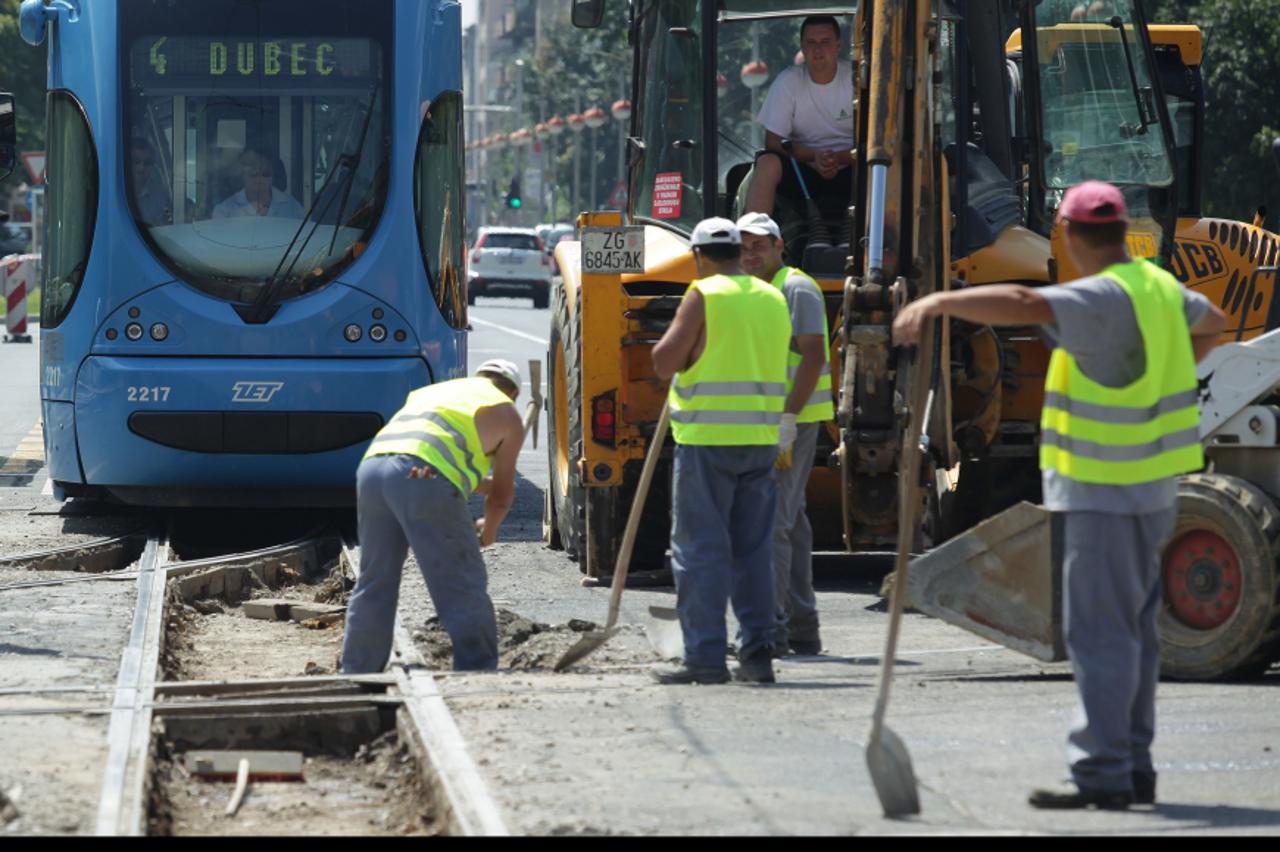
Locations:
{"points": [[715, 232], [759, 224], [504, 368]]}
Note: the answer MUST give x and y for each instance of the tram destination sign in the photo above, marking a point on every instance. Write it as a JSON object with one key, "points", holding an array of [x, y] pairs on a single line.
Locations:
{"points": [[204, 61], [607, 251]]}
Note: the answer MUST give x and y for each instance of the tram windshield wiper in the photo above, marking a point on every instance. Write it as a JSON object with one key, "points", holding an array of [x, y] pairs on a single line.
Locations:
{"points": [[1144, 119], [264, 306]]}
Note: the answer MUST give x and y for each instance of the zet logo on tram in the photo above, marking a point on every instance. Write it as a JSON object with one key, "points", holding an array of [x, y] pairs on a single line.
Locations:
{"points": [[254, 391]]}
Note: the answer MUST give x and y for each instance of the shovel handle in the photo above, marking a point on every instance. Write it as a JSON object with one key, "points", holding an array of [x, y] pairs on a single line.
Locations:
{"points": [[623, 564]]}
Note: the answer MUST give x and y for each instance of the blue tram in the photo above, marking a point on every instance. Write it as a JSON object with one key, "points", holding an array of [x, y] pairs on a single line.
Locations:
{"points": [[255, 240]]}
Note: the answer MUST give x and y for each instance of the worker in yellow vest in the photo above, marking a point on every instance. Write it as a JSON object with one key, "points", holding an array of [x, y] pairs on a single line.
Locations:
{"points": [[726, 356], [411, 491], [808, 404], [1120, 422]]}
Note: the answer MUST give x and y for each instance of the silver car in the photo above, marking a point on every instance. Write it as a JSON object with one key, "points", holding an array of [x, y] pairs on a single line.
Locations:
{"points": [[509, 262]]}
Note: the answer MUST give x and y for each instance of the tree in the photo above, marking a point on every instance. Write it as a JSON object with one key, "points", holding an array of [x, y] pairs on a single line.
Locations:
{"points": [[1241, 69], [22, 72]]}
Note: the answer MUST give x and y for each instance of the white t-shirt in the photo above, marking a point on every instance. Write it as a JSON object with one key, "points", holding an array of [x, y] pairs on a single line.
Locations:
{"points": [[283, 205], [813, 115]]}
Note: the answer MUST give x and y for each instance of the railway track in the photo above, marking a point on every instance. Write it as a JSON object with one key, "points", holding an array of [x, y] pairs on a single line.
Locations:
{"points": [[382, 754]]}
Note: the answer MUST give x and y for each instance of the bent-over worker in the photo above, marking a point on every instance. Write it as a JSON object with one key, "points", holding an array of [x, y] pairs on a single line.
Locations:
{"points": [[1120, 423], [727, 351], [808, 405], [411, 491]]}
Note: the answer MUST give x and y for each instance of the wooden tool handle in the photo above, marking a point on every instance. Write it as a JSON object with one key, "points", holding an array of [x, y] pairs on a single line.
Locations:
{"points": [[623, 563]]}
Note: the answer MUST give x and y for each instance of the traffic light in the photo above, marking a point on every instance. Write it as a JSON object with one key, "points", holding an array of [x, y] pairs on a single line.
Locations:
{"points": [[513, 199]]}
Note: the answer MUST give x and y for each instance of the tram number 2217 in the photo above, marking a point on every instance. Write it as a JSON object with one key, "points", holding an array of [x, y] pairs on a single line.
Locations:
{"points": [[145, 394]]}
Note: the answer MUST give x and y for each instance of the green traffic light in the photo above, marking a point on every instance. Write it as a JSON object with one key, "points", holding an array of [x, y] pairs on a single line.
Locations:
{"points": [[515, 203]]}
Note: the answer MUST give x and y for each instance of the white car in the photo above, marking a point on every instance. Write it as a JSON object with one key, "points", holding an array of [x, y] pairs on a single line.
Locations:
{"points": [[509, 262]]}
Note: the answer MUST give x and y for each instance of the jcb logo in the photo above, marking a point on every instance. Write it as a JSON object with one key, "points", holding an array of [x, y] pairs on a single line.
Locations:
{"points": [[1195, 263], [254, 391]]}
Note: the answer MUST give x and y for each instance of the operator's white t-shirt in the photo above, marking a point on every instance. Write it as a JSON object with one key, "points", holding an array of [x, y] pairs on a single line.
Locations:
{"points": [[813, 115]]}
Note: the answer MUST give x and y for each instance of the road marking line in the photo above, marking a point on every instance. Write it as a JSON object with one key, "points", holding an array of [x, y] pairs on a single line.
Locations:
{"points": [[29, 449], [508, 330]]}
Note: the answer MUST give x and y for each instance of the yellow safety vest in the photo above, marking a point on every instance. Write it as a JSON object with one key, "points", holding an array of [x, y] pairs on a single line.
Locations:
{"points": [[438, 425], [819, 407], [1145, 431], [734, 393]]}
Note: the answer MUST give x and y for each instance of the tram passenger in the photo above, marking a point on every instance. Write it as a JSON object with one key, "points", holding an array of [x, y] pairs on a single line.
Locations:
{"points": [[258, 197], [411, 491], [154, 204]]}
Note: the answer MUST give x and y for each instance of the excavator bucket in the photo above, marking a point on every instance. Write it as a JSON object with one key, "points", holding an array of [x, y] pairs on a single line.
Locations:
{"points": [[1001, 580]]}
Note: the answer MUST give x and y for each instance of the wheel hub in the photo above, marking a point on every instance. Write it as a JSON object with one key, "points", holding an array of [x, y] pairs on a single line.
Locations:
{"points": [[1202, 579]]}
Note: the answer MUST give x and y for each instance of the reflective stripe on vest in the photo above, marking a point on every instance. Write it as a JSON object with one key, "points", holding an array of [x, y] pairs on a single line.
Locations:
{"points": [[1146, 431], [820, 406], [734, 393], [438, 425]]}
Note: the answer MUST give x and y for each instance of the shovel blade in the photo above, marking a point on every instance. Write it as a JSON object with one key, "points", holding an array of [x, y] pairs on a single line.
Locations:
{"points": [[664, 633], [587, 644], [891, 773]]}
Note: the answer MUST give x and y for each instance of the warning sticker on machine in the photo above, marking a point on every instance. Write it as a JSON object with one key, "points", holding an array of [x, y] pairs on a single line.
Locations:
{"points": [[668, 194], [612, 250]]}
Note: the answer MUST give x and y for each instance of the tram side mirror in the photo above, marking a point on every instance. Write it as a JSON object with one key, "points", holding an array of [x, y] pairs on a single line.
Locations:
{"points": [[587, 14], [8, 135]]}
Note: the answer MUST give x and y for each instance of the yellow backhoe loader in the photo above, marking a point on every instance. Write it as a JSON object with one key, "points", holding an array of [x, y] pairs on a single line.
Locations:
{"points": [[965, 142]]}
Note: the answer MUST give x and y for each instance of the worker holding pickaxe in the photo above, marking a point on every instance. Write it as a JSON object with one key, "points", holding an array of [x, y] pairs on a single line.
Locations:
{"points": [[411, 491]]}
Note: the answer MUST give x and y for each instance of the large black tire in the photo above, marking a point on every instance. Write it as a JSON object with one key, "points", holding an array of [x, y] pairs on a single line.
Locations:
{"points": [[1221, 616], [564, 428], [540, 300]]}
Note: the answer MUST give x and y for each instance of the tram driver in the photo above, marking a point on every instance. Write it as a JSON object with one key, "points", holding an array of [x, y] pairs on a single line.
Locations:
{"points": [[258, 197]]}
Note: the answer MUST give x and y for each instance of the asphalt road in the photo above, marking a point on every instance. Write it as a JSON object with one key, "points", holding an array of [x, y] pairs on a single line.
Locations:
{"points": [[601, 749]]}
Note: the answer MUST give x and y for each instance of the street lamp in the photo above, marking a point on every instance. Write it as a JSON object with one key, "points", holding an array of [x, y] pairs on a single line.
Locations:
{"points": [[621, 110], [595, 119], [577, 124]]}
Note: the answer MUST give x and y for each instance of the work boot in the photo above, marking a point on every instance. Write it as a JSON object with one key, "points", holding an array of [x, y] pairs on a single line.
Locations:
{"points": [[1144, 788], [1076, 798], [806, 647], [684, 673], [756, 668]]}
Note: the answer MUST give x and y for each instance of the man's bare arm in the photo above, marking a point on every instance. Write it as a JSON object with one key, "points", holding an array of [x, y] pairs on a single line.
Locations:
{"points": [[990, 304], [802, 153], [813, 352], [1207, 332], [673, 352], [502, 422]]}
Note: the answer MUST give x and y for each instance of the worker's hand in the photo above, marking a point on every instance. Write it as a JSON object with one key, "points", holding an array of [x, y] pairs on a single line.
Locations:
{"points": [[480, 533], [908, 325], [786, 442], [827, 163]]}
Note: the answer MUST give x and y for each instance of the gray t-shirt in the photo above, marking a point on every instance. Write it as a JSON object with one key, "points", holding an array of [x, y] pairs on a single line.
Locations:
{"points": [[1095, 322], [808, 308]]}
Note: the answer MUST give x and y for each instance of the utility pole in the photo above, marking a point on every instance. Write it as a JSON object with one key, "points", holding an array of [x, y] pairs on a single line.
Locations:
{"points": [[577, 151]]}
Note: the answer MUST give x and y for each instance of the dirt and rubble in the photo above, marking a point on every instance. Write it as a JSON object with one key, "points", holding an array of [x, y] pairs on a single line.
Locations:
{"points": [[375, 791], [210, 635]]}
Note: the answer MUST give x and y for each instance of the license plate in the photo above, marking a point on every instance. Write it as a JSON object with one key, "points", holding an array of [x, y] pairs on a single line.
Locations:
{"points": [[511, 259], [612, 251]]}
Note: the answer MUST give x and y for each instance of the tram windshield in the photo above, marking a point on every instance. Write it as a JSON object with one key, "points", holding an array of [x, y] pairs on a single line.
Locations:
{"points": [[256, 137]]}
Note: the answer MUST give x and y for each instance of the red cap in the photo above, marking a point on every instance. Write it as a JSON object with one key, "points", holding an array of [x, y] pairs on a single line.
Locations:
{"points": [[1093, 203]]}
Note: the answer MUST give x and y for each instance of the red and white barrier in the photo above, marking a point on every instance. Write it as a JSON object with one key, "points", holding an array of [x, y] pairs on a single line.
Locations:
{"points": [[19, 274]]}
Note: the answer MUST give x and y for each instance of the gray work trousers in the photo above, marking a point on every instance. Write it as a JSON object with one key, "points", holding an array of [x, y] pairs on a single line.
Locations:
{"points": [[431, 516], [722, 509], [1111, 577], [796, 606]]}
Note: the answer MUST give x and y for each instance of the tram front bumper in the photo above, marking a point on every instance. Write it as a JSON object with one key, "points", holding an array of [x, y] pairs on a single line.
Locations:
{"points": [[229, 423]]}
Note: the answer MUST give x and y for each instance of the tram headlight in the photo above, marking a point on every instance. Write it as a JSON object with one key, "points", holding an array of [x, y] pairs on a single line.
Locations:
{"points": [[378, 333], [133, 331], [352, 333], [159, 331]]}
